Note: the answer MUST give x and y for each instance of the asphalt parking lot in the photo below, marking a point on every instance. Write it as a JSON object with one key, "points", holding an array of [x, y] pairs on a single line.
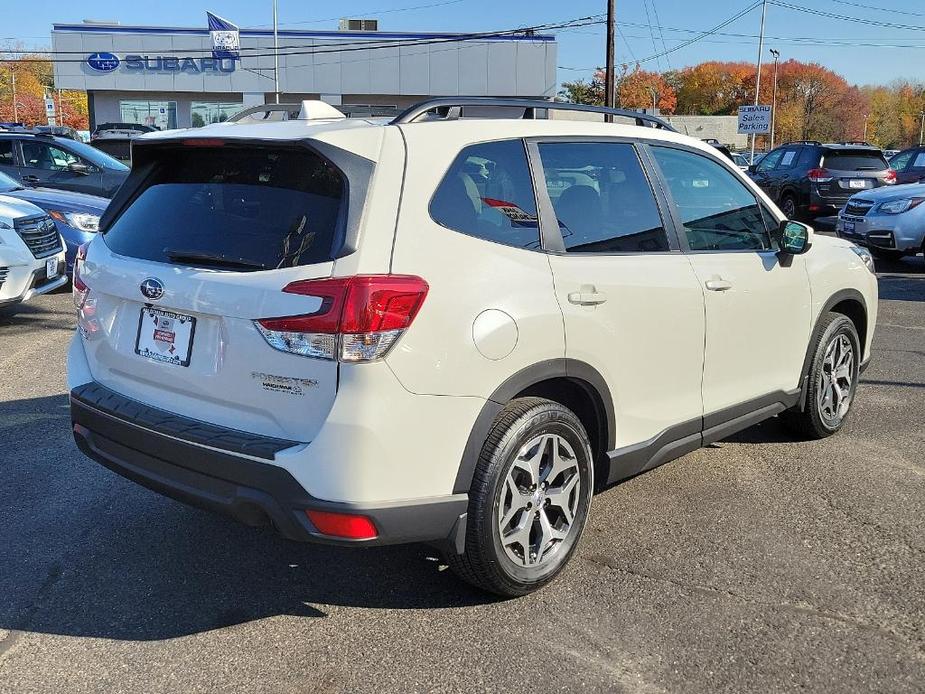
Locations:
{"points": [[758, 564]]}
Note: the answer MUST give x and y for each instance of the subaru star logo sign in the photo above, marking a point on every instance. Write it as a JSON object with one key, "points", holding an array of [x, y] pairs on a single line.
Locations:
{"points": [[103, 62], [152, 288]]}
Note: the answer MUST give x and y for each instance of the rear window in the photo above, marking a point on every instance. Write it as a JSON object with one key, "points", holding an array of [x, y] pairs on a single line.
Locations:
{"points": [[852, 160], [236, 208]]}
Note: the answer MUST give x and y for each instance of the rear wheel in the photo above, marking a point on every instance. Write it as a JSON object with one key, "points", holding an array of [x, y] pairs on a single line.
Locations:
{"points": [[529, 499], [833, 380]]}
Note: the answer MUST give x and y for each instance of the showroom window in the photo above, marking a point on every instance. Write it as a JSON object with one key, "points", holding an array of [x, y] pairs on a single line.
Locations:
{"points": [[208, 112], [159, 114]]}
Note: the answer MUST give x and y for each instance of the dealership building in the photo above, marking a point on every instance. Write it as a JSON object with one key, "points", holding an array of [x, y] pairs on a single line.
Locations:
{"points": [[167, 77]]}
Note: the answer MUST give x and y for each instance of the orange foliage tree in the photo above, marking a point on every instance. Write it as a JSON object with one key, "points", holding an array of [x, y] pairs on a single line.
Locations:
{"points": [[34, 79]]}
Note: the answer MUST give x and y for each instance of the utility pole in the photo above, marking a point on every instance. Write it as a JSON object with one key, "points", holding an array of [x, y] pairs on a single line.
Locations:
{"points": [[610, 75], [922, 127], [776, 55], [276, 51], [866, 119], [654, 94], [15, 106], [764, 11]]}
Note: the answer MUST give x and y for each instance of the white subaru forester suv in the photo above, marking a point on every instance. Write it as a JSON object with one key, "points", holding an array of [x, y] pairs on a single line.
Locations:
{"points": [[447, 329], [31, 253]]}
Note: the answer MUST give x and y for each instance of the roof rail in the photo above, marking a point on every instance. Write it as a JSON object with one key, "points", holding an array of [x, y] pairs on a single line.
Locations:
{"points": [[452, 108], [862, 143], [801, 142]]}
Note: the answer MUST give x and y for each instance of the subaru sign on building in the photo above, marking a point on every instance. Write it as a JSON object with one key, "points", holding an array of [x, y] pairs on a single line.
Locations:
{"points": [[172, 77]]}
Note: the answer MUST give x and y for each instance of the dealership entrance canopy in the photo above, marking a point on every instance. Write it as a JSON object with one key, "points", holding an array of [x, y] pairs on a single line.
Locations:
{"points": [[167, 76]]}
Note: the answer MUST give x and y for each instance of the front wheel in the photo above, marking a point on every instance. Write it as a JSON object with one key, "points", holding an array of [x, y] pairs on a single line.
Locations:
{"points": [[529, 500], [833, 380]]}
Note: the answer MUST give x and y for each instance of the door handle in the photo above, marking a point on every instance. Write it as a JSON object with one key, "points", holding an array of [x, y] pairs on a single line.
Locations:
{"points": [[587, 297], [718, 285], [30, 179]]}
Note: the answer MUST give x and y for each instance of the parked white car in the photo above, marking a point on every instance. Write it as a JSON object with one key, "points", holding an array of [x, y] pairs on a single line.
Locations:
{"points": [[448, 329], [31, 253]]}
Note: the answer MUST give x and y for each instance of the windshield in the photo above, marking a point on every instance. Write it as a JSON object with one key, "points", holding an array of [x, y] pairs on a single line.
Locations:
{"points": [[94, 156], [244, 208], [7, 184]]}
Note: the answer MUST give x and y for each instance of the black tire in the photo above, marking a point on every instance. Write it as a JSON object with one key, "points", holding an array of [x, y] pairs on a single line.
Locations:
{"points": [[885, 254], [486, 563], [812, 422], [788, 205]]}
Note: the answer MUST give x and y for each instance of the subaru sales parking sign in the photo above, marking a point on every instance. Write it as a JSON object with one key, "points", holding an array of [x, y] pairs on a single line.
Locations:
{"points": [[754, 119]]}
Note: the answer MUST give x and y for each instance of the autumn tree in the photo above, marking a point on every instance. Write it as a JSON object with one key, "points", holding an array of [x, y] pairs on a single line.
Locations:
{"points": [[34, 79]]}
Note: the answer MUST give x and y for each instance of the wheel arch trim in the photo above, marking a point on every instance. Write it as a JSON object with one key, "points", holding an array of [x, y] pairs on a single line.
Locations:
{"points": [[838, 297], [575, 370]]}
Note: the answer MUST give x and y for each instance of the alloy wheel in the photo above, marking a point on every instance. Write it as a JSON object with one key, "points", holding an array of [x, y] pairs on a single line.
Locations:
{"points": [[835, 386], [539, 500]]}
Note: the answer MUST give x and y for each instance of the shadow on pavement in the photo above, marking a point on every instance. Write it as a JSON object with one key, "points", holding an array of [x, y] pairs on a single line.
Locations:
{"points": [[86, 553]]}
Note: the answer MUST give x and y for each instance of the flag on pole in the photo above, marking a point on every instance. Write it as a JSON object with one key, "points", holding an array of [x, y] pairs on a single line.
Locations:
{"points": [[226, 41]]}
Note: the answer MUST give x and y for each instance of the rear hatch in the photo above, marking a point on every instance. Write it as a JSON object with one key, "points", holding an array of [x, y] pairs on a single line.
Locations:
{"points": [[853, 170], [206, 235]]}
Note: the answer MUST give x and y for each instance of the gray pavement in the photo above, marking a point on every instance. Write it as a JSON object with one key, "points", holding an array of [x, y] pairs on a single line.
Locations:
{"points": [[759, 564]]}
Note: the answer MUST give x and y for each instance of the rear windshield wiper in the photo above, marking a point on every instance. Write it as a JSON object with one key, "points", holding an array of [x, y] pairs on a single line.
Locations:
{"points": [[213, 259]]}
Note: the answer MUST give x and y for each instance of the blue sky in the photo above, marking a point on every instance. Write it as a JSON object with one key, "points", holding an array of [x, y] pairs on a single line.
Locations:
{"points": [[804, 36]]}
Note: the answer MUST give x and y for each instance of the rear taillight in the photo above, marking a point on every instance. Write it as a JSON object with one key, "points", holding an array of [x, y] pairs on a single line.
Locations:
{"points": [[360, 317], [890, 177], [78, 286], [819, 175]]}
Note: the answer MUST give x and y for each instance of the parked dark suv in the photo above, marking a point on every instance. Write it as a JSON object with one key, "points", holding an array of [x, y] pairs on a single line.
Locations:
{"points": [[58, 162], [909, 165], [809, 179]]}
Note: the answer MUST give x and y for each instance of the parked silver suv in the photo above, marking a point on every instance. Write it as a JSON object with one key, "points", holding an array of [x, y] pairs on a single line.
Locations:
{"points": [[888, 221]]}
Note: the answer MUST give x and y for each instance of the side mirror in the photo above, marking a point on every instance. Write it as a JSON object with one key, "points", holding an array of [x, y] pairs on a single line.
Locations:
{"points": [[752, 168], [793, 237], [78, 167]]}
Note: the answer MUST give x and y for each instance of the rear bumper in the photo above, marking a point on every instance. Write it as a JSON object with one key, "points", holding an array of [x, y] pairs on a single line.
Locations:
{"points": [[231, 472]]}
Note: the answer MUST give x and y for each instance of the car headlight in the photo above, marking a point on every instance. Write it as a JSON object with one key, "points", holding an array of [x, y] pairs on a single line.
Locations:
{"points": [[899, 206], [865, 257], [84, 221]]}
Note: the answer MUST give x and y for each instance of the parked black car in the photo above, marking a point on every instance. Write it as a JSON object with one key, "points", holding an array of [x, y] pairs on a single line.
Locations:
{"points": [[810, 179], [116, 139], [909, 165], [57, 162]]}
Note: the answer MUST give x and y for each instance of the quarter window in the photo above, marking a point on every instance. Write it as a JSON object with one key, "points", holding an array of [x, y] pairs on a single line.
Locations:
{"points": [[488, 193], [602, 198], [717, 210], [6, 153]]}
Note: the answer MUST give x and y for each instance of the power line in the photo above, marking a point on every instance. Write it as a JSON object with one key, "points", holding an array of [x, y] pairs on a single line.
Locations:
{"points": [[658, 23], [847, 18], [365, 45], [645, 5], [879, 9], [371, 12]]}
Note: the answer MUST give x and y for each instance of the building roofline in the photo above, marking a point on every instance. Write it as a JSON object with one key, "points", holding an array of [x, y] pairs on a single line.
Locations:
{"points": [[291, 33]]}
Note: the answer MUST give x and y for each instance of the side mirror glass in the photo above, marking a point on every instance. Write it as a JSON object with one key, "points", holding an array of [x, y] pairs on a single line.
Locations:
{"points": [[793, 237]]}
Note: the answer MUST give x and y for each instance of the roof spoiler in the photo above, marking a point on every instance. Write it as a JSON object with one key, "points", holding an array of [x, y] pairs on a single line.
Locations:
{"points": [[309, 109]]}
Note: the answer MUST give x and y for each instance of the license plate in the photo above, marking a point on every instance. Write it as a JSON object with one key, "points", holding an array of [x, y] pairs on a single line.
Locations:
{"points": [[857, 183], [165, 336], [51, 268], [848, 226]]}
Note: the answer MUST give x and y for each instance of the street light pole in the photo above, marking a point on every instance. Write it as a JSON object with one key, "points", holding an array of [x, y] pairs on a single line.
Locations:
{"points": [[654, 94], [275, 51], [15, 105], [922, 127], [776, 55], [866, 119], [764, 11]]}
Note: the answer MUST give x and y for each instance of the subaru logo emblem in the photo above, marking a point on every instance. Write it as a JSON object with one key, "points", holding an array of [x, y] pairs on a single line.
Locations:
{"points": [[152, 288], [103, 62]]}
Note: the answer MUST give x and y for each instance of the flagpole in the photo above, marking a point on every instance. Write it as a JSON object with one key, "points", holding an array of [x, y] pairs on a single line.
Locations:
{"points": [[275, 51]]}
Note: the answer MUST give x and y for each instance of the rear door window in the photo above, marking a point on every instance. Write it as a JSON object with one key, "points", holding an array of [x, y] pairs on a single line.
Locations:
{"points": [[854, 160], [488, 193], [238, 208], [6, 153]]}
